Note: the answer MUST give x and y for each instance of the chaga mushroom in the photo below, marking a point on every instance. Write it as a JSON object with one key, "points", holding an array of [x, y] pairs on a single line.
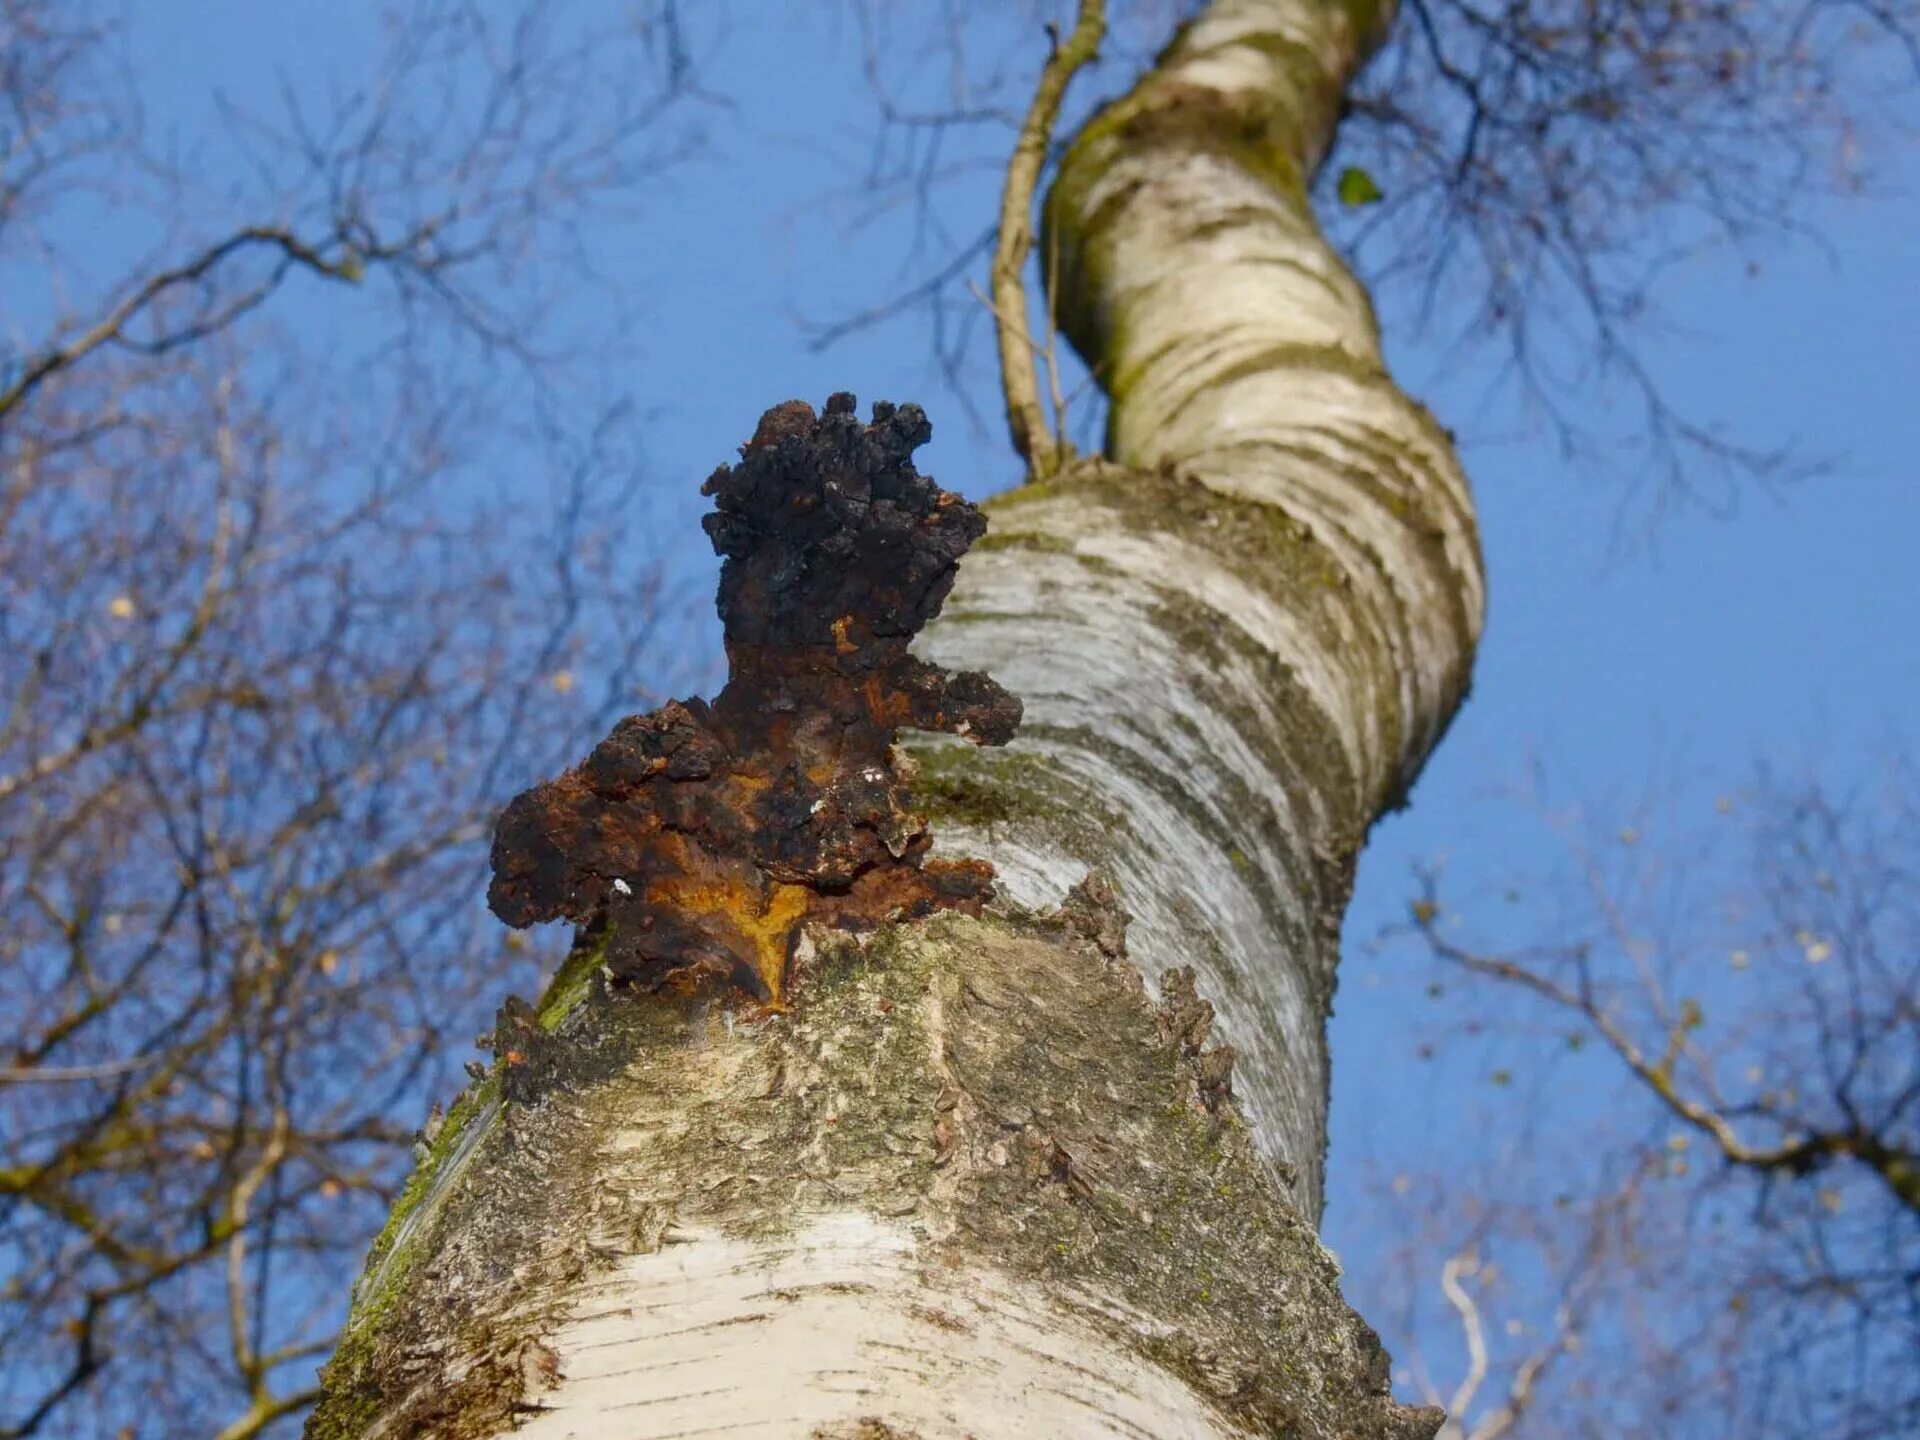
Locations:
{"points": [[704, 835]]}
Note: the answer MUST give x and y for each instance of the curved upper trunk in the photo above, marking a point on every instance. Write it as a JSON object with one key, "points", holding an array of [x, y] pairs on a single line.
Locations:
{"points": [[976, 1181], [1239, 637]]}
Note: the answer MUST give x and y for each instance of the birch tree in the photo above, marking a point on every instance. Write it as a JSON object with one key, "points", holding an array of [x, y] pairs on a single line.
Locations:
{"points": [[826, 1128]]}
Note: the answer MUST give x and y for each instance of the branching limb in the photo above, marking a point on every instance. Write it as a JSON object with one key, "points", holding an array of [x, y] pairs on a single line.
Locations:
{"points": [[1797, 1153], [336, 260], [1026, 420]]}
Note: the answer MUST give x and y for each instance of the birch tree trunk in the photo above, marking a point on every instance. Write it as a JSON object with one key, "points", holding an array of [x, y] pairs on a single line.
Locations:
{"points": [[993, 1176]]}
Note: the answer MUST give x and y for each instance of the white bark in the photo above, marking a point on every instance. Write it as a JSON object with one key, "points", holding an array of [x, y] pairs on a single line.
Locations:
{"points": [[1243, 358], [843, 1321]]}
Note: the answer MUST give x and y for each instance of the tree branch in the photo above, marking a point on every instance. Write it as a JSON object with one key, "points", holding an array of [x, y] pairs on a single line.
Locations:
{"points": [[1026, 420]]}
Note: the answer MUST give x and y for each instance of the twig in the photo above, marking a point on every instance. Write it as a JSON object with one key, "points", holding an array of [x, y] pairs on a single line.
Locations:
{"points": [[1465, 1264], [1033, 441], [1799, 1153]]}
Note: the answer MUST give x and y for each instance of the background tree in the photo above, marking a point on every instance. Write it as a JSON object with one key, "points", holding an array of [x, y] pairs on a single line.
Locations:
{"points": [[1712, 1057], [270, 654]]}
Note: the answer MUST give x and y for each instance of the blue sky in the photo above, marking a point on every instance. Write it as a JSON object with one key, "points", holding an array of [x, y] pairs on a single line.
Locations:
{"points": [[1786, 632]]}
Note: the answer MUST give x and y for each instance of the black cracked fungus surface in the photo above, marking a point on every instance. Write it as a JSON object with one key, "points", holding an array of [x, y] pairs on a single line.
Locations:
{"points": [[703, 835]]}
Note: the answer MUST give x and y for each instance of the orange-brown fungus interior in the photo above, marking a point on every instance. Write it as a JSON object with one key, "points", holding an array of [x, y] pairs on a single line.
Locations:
{"points": [[704, 835]]}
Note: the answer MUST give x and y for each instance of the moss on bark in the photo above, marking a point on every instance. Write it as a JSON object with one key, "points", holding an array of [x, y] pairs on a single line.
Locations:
{"points": [[1004, 1086]]}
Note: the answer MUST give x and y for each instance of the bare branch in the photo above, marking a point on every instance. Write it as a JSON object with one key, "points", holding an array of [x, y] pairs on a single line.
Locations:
{"points": [[1026, 421]]}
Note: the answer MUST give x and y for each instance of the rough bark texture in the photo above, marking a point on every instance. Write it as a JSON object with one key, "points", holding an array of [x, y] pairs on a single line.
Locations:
{"points": [[975, 1181], [972, 1177]]}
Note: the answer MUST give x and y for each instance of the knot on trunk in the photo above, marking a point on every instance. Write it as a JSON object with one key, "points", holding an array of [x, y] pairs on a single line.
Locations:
{"points": [[702, 836]]}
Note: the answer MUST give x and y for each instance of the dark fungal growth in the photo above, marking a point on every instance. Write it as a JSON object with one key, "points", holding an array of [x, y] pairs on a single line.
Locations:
{"points": [[703, 835]]}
